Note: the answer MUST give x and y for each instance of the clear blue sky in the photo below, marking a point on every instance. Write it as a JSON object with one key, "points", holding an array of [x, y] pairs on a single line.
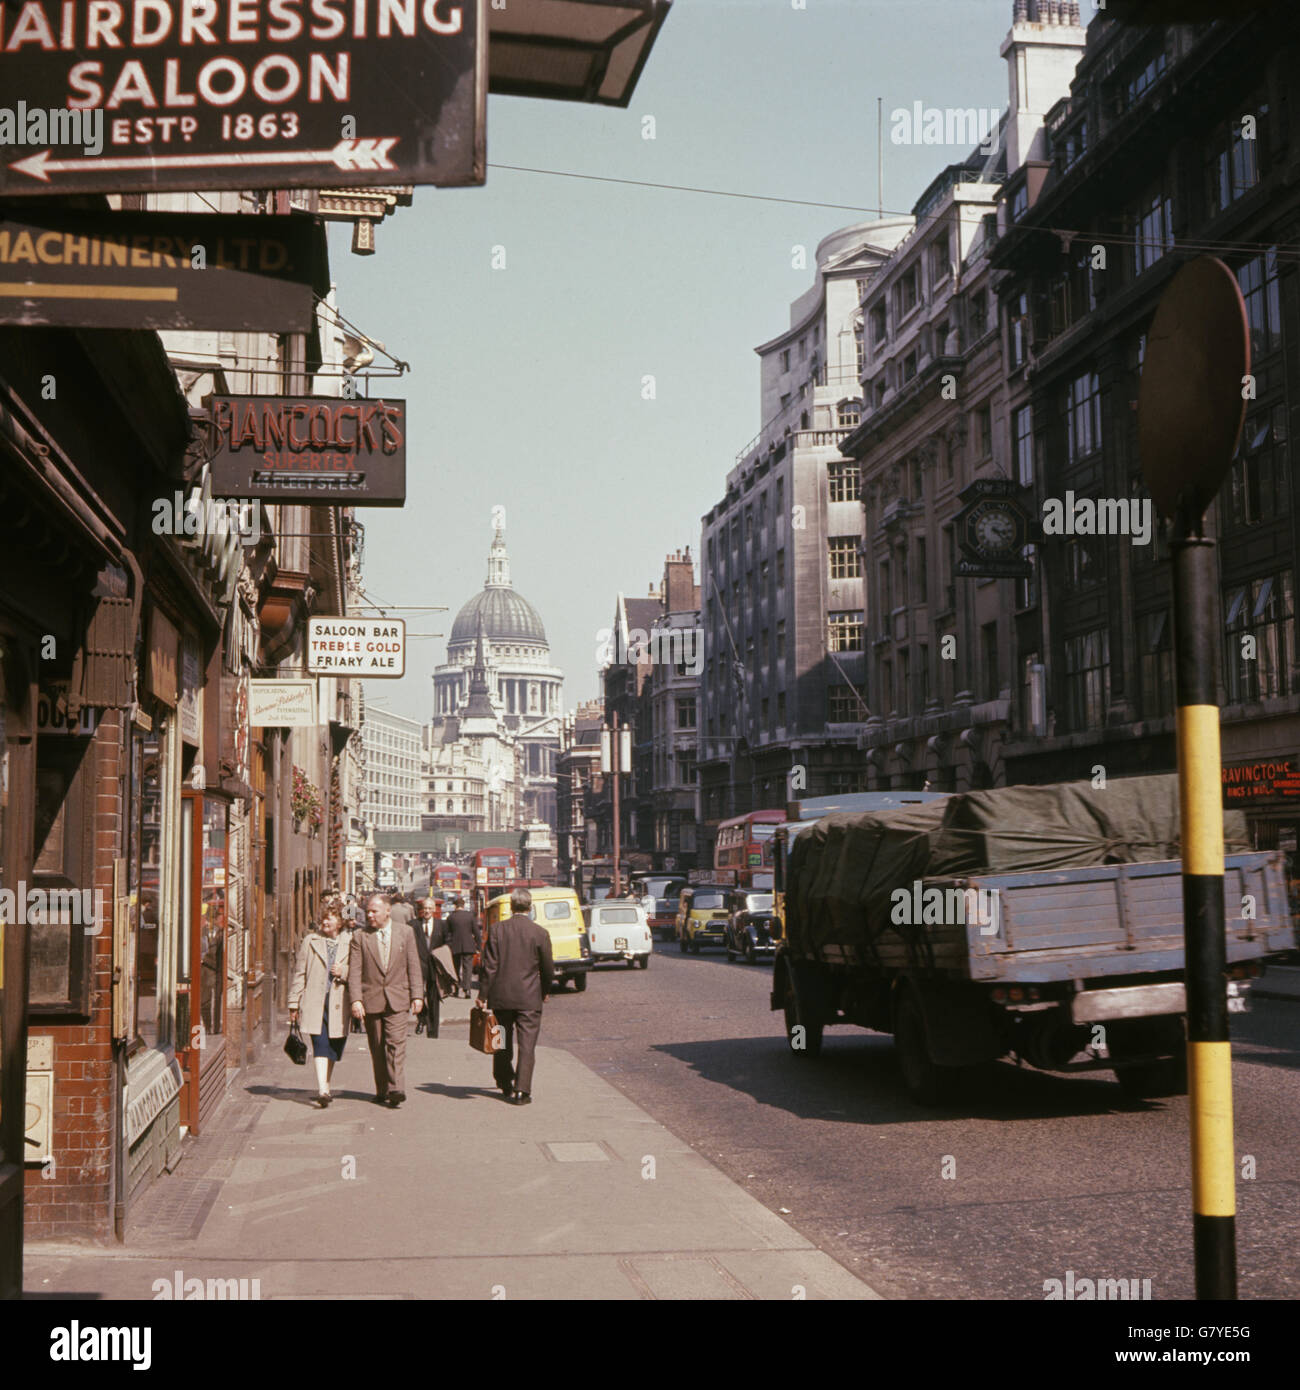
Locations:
{"points": [[525, 388]]}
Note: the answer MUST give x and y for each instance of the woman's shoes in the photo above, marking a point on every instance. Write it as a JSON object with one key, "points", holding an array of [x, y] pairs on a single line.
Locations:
{"points": [[323, 1100]]}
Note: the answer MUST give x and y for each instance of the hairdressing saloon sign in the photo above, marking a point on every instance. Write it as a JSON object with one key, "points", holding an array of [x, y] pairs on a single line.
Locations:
{"points": [[142, 95]]}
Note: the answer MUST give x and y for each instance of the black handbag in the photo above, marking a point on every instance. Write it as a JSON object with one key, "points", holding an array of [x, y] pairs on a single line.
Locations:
{"points": [[295, 1048]]}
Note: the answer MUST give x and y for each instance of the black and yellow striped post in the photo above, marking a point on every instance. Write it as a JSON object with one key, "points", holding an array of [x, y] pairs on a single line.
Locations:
{"points": [[1200, 804], [1191, 406]]}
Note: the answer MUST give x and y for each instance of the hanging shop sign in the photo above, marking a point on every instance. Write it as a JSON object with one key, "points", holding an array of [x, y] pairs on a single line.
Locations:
{"points": [[161, 270], [342, 453], [161, 95], [283, 704], [1263, 779], [356, 646]]}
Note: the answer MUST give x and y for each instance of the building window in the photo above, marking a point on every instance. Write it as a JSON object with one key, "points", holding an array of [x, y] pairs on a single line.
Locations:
{"points": [[842, 704], [1157, 665], [1145, 78], [685, 768], [785, 361], [780, 709], [780, 568], [846, 562], [1152, 229], [846, 631], [1084, 562], [1233, 165], [921, 572], [848, 414], [844, 480], [1263, 609], [908, 291], [686, 713], [990, 663], [1020, 202], [780, 640], [984, 431], [1019, 324], [878, 329], [1083, 417], [1087, 679], [923, 676], [1260, 478], [909, 366], [1023, 422], [1027, 588], [1258, 281], [979, 315], [845, 783]]}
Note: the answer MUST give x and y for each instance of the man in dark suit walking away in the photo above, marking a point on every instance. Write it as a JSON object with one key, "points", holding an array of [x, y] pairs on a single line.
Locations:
{"points": [[516, 971], [386, 985], [461, 933]]}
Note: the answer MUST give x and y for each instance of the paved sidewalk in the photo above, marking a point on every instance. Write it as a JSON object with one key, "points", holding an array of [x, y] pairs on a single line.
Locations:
{"points": [[581, 1195]]}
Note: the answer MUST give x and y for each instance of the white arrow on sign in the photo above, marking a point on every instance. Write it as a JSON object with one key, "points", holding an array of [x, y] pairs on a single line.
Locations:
{"points": [[347, 154]]}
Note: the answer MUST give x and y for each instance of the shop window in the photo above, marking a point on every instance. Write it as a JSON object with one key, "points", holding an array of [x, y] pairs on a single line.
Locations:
{"points": [[144, 883], [60, 949]]}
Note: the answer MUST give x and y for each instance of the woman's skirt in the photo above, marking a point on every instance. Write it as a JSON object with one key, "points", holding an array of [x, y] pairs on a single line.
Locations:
{"points": [[322, 1045]]}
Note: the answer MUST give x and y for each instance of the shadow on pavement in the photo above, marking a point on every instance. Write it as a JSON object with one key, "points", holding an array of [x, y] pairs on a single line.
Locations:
{"points": [[856, 1080]]}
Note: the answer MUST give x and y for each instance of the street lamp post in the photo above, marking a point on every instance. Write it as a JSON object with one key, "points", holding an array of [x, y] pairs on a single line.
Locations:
{"points": [[616, 758]]}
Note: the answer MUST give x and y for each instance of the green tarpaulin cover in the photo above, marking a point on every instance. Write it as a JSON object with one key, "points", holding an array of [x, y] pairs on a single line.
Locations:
{"points": [[843, 869]]}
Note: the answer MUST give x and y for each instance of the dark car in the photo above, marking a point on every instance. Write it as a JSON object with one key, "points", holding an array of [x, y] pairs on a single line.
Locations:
{"points": [[752, 928]]}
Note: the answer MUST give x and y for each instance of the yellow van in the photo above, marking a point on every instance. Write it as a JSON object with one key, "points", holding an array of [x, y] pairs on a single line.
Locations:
{"points": [[702, 916], [560, 912]]}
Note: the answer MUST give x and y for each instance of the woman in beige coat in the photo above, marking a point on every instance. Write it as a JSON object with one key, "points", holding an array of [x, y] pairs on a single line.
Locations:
{"points": [[318, 994]]}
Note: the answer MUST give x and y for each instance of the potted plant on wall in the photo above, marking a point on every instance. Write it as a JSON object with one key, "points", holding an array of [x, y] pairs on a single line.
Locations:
{"points": [[305, 803]]}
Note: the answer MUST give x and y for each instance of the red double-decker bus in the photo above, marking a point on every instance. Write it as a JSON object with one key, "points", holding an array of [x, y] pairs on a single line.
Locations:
{"points": [[448, 878], [494, 871], [744, 845]]}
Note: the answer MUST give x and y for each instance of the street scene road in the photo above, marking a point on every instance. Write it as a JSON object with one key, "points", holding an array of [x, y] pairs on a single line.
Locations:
{"points": [[1052, 1173]]}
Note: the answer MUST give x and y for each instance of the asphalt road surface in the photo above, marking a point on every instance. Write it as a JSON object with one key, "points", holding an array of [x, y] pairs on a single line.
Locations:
{"points": [[1050, 1173]]}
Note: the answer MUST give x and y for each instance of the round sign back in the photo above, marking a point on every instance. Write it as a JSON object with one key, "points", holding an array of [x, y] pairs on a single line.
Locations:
{"points": [[1192, 399]]}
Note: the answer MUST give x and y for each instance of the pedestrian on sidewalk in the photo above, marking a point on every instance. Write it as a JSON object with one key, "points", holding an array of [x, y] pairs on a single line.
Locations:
{"points": [[386, 986], [401, 909], [516, 970], [464, 938], [318, 993], [425, 941]]}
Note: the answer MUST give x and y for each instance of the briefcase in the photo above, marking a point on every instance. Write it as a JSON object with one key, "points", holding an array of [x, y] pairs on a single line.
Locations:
{"points": [[484, 1031]]}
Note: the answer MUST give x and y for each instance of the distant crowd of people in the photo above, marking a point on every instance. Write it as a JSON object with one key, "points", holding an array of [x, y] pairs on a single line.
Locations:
{"points": [[376, 964]]}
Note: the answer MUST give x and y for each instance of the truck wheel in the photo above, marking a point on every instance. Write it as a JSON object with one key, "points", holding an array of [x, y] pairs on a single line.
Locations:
{"points": [[579, 983], [1154, 1079], [812, 1031], [927, 1083]]}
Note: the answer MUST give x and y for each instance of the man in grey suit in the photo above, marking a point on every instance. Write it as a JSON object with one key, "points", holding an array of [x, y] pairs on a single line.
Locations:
{"points": [[462, 935], [386, 984], [515, 971]]}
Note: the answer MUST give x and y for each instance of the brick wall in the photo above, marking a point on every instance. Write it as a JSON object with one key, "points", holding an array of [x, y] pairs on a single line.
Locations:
{"points": [[73, 1195]]}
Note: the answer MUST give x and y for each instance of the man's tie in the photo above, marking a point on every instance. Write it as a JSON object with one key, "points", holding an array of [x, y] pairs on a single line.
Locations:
{"points": [[383, 947]]}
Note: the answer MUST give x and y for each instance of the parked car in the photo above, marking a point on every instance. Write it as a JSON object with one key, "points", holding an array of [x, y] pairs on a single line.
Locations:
{"points": [[702, 916], [618, 930], [752, 929], [558, 910]]}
